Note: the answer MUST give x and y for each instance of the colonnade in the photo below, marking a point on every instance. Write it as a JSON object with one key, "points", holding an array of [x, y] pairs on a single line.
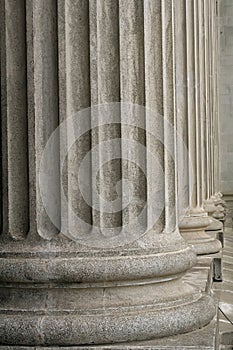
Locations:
{"points": [[109, 168]]}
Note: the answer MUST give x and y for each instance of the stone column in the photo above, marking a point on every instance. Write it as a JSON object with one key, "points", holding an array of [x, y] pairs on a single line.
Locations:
{"points": [[181, 104], [215, 226], [59, 285], [196, 219], [214, 203], [218, 201]]}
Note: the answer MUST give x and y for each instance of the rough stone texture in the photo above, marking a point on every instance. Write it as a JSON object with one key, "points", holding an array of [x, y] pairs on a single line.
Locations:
{"points": [[193, 229], [45, 100], [224, 290], [154, 87], [15, 214], [204, 339], [182, 106], [201, 276], [225, 293], [53, 290], [75, 95], [195, 221]]}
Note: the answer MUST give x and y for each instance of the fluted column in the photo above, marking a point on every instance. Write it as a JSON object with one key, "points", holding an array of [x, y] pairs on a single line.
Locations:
{"points": [[214, 204], [196, 220], [217, 195], [80, 276], [209, 206], [208, 203]]}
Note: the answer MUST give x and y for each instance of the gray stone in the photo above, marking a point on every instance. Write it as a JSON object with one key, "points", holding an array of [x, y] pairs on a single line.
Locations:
{"points": [[54, 290], [15, 207]]}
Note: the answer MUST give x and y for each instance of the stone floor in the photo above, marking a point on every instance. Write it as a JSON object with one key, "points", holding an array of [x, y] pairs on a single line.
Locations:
{"points": [[225, 292]]}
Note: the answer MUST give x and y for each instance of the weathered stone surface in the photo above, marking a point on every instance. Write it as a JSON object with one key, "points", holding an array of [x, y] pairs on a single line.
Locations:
{"points": [[224, 292], [14, 163], [195, 221], [56, 291], [201, 276], [193, 229]]}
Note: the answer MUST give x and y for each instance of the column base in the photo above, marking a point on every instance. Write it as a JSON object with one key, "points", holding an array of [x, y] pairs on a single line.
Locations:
{"points": [[193, 227], [72, 298], [215, 225], [220, 212], [104, 326]]}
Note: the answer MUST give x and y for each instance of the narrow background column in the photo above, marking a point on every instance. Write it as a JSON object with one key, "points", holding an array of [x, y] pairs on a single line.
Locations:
{"points": [[196, 220]]}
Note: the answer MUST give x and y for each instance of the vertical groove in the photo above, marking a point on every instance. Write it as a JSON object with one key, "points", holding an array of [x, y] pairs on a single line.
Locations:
{"points": [[3, 161], [31, 117], [207, 93], [218, 93], [154, 100], [62, 107], [105, 88], [169, 116], [216, 131], [74, 90], [202, 97], [211, 98], [133, 91], [46, 105], [14, 122], [181, 103], [191, 104], [197, 101], [214, 94]]}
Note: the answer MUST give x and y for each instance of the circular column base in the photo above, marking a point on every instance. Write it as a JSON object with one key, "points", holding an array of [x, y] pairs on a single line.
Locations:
{"points": [[51, 299], [192, 228], [215, 225], [107, 325]]}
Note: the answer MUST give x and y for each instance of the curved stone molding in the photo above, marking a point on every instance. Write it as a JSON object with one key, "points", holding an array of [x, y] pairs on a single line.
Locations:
{"points": [[193, 228], [110, 325], [99, 299], [214, 225], [220, 213], [95, 269], [209, 206]]}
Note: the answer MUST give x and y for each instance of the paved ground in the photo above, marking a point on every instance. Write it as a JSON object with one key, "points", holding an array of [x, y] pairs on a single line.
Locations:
{"points": [[225, 289]]}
